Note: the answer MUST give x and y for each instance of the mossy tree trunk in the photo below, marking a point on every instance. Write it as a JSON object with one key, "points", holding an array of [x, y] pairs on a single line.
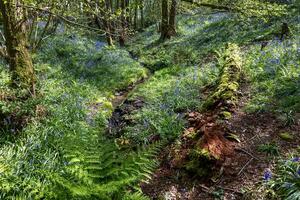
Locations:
{"points": [[19, 58]]}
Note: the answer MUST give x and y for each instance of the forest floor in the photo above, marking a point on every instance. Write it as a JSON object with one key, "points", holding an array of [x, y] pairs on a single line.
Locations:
{"points": [[109, 124]]}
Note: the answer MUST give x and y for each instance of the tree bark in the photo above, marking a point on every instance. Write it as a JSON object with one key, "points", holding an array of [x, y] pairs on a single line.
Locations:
{"points": [[136, 15], [164, 20], [105, 9], [123, 24], [19, 58], [172, 18], [142, 14]]}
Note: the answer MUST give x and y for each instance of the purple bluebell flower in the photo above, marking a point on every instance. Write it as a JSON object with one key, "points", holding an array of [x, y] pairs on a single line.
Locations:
{"points": [[296, 159], [267, 175], [275, 61], [298, 172]]}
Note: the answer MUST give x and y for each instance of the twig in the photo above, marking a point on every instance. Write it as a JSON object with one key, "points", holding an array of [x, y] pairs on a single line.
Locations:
{"points": [[246, 152], [249, 161], [229, 189]]}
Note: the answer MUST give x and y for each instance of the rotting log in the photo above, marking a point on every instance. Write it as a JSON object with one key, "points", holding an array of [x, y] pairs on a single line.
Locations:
{"points": [[212, 146], [227, 86]]}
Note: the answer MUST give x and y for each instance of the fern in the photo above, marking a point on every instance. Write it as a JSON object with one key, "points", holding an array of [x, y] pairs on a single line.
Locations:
{"points": [[106, 173]]}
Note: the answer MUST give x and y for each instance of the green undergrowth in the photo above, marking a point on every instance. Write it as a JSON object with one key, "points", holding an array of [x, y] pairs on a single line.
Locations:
{"points": [[64, 153], [168, 95], [274, 73], [202, 32]]}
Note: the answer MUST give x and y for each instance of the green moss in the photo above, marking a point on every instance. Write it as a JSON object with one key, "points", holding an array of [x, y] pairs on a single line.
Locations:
{"points": [[200, 160], [228, 79]]}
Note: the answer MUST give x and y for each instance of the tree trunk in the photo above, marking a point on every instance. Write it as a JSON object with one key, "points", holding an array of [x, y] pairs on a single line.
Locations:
{"points": [[123, 24], [136, 15], [104, 11], [128, 13], [19, 59], [164, 20], [172, 19], [142, 13]]}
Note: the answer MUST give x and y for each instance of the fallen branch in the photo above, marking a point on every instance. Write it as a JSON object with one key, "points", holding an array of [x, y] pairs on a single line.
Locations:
{"points": [[212, 6], [246, 152]]}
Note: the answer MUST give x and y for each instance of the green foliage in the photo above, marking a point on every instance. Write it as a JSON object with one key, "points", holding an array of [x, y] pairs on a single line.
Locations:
{"points": [[269, 148], [274, 73], [254, 8], [65, 155]]}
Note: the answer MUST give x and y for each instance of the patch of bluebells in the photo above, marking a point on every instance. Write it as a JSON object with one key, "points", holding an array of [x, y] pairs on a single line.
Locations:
{"points": [[65, 96]]}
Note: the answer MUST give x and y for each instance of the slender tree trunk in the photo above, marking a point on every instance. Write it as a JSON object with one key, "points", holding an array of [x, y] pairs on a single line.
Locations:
{"points": [[142, 14], [128, 13], [136, 15], [19, 59], [37, 43], [164, 20], [172, 18], [123, 24]]}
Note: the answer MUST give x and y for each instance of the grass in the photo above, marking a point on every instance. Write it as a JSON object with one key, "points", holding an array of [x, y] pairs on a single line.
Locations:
{"points": [[275, 77]]}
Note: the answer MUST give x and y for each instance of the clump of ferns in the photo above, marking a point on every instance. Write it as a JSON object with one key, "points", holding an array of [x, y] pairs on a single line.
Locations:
{"points": [[106, 173]]}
